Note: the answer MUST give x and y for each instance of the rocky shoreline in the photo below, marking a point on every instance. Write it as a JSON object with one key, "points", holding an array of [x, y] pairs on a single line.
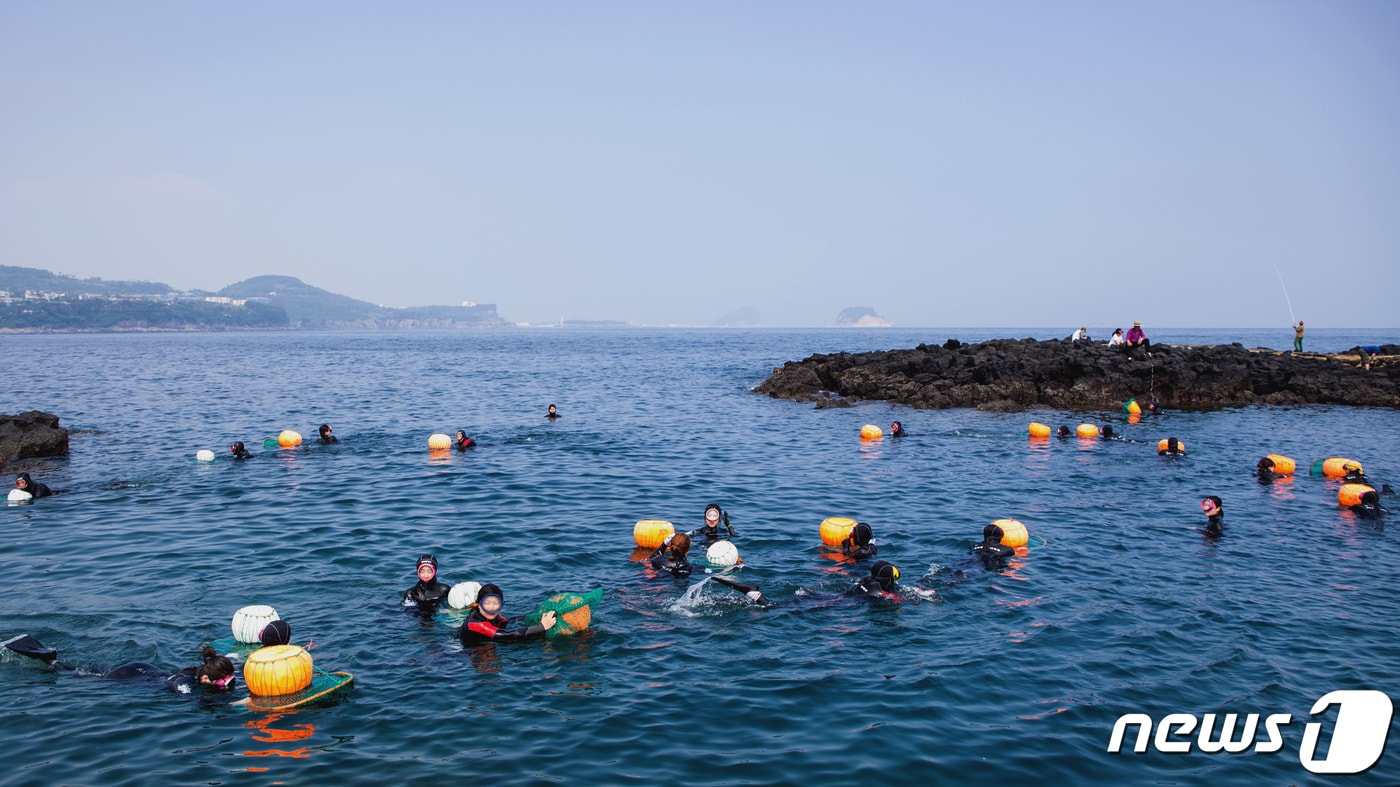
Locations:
{"points": [[1010, 375], [29, 435]]}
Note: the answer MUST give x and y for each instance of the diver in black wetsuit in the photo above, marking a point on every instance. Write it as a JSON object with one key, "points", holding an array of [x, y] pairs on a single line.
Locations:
{"points": [[1106, 432], [553, 413], [278, 632], [671, 556], [239, 451], [215, 673], [751, 591], [990, 550], [879, 585], [428, 592], [1214, 510], [713, 515], [26, 484], [1369, 507], [326, 437], [486, 623], [461, 442], [1265, 470], [1173, 448], [857, 544], [897, 430], [1064, 432]]}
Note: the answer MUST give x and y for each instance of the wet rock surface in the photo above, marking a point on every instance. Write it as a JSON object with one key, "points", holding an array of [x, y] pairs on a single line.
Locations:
{"points": [[31, 434]]}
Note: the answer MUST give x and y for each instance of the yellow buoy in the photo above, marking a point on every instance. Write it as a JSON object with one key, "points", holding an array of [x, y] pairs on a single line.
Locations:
{"points": [[1350, 494], [1086, 430], [1282, 464], [289, 439], [871, 432], [1038, 429], [1013, 532], [249, 621], [1132, 407], [1336, 466], [652, 533], [439, 441], [835, 530], [1164, 442], [279, 669]]}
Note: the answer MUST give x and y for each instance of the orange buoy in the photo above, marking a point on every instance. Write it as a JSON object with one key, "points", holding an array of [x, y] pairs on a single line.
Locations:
{"points": [[439, 441], [289, 439], [871, 432], [1038, 429], [1336, 466], [576, 619], [279, 669], [652, 533], [835, 530], [1350, 494], [1131, 407], [1013, 532], [1086, 430], [1282, 464], [1165, 441]]}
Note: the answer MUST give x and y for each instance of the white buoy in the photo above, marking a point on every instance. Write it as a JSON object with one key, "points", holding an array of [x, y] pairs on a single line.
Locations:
{"points": [[722, 553], [249, 622], [204, 455], [20, 496], [463, 594]]}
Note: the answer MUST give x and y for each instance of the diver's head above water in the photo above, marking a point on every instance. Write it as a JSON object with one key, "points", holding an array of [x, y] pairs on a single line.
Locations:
{"points": [[489, 600], [712, 512], [993, 534], [427, 568], [1212, 506], [885, 574]]}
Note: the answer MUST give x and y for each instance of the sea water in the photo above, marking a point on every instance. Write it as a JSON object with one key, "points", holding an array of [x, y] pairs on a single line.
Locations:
{"points": [[1010, 675]]}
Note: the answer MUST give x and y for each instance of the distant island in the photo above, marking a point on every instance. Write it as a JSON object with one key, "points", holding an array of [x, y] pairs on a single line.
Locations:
{"points": [[33, 300], [861, 317]]}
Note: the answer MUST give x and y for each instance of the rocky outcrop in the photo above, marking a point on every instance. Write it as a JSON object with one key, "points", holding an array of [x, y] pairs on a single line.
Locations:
{"points": [[29, 435], [1009, 374]]}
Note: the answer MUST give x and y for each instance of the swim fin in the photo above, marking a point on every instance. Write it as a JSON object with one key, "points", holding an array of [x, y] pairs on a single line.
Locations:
{"points": [[28, 646]]}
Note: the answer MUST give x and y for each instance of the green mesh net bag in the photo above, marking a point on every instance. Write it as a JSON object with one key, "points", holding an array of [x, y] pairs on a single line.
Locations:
{"points": [[573, 610]]}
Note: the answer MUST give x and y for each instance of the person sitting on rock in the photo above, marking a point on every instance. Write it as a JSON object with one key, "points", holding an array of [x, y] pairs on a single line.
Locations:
{"points": [[1116, 340], [1080, 335], [1137, 339]]}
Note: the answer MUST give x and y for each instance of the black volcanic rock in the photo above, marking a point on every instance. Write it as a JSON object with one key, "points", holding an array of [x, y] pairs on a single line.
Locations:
{"points": [[1009, 374], [31, 434]]}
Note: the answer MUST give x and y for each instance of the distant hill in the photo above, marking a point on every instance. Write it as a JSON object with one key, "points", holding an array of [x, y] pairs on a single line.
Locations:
{"points": [[38, 300], [860, 317]]}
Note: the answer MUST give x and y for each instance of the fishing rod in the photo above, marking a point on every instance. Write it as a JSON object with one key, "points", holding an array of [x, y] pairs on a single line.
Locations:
{"points": [[1291, 316]]}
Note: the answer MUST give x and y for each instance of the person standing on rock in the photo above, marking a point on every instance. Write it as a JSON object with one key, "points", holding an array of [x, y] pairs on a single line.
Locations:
{"points": [[1298, 337]]}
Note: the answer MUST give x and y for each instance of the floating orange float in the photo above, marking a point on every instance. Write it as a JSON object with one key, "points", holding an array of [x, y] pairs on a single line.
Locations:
{"points": [[279, 669], [1350, 494], [1334, 466], [652, 533], [1086, 430], [289, 439], [1282, 464], [1162, 445], [871, 432], [1038, 429], [439, 441], [1013, 532], [835, 530]]}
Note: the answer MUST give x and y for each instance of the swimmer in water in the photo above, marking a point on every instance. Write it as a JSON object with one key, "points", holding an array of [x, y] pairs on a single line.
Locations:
{"points": [[326, 437], [1173, 448], [1214, 510], [1106, 432], [239, 451], [671, 556], [26, 484], [1354, 474], [751, 592], [857, 544], [897, 430], [553, 413], [428, 592], [880, 583], [278, 632], [215, 673], [713, 515], [1064, 432], [1265, 470], [990, 550], [486, 623], [461, 442], [1369, 506]]}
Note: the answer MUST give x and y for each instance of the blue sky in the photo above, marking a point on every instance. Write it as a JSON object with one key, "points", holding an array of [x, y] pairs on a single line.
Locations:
{"points": [[963, 164]]}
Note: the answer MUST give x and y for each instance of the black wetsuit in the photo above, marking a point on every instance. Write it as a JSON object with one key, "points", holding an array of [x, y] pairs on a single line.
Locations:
{"points": [[713, 534], [328, 439], [871, 588], [479, 630], [1215, 525], [182, 682], [859, 552], [35, 488], [432, 592], [240, 452], [675, 566], [992, 553], [464, 443]]}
